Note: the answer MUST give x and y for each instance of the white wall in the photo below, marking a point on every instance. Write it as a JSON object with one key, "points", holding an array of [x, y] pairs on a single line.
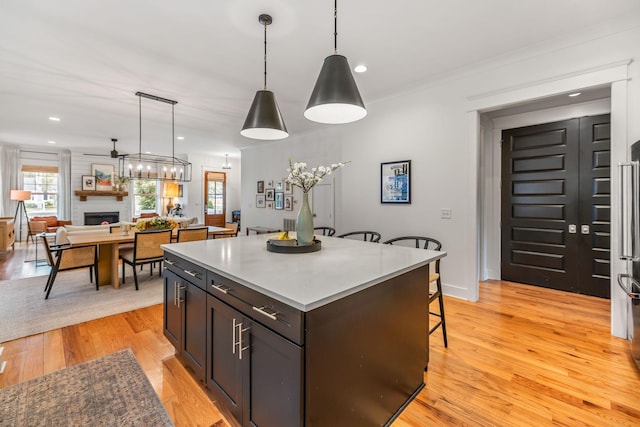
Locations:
{"points": [[81, 165], [436, 127]]}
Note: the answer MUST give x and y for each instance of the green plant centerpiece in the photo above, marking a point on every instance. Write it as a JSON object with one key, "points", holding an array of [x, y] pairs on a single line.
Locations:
{"points": [[304, 178]]}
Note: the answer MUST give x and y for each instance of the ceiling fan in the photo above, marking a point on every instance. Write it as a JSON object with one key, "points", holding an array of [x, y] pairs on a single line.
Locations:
{"points": [[113, 154]]}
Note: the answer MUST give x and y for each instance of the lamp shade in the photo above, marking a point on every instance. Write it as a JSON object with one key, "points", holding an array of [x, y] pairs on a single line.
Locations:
{"points": [[264, 120], [335, 98], [171, 189], [20, 195]]}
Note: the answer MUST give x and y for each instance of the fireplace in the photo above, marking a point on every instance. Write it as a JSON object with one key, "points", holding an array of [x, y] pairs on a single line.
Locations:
{"points": [[95, 218]]}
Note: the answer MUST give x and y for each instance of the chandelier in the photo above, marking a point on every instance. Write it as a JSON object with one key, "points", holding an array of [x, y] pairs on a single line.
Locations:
{"points": [[153, 166]]}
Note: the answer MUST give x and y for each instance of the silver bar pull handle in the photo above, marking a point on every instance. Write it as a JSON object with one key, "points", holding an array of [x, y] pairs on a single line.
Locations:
{"points": [[221, 288], [240, 347], [175, 293], [180, 289], [572, 229], [262, 311], [233, 339], [190, 273], [168, 261], [584, 229], [629, 229]]}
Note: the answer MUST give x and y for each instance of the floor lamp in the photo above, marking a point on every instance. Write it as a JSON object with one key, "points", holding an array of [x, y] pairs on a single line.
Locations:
{"points": [[20, 196]]}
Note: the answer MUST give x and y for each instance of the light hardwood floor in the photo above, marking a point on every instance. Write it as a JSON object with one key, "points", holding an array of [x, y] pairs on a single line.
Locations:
{"points": [[521, 356]]}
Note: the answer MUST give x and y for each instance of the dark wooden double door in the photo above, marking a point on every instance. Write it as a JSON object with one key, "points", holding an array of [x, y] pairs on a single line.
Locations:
{"points": [[556, 205]]}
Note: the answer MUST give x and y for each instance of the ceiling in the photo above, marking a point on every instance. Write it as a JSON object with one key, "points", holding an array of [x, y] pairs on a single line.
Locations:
{"points": [[83, 60]]}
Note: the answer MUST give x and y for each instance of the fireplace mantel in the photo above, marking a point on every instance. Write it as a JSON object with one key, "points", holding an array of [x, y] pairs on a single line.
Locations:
{"points": [[117, 194]]}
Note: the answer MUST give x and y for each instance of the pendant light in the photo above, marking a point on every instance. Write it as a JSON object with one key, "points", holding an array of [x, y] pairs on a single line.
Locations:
{"points": [[264, 120], [226, 164], [335, 98]]}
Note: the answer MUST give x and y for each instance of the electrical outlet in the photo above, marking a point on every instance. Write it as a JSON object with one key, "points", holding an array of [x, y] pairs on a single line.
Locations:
{"points": [[445, 213]]}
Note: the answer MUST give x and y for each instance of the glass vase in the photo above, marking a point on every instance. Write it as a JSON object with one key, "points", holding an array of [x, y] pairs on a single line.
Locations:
{"points": [[304, 223]]}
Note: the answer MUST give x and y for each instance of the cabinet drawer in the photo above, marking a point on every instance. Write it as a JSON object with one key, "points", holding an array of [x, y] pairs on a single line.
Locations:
{"points": [[275, 315], [191, 272]]}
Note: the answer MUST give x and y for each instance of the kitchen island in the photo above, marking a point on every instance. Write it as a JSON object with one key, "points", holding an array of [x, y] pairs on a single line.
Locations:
{"points": [[335, 337]]}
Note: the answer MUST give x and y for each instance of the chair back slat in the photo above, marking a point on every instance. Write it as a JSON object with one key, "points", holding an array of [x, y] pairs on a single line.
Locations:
{"points": [[75, 257], [367, 236], [147, 244], [326, 231], [192, 234]]}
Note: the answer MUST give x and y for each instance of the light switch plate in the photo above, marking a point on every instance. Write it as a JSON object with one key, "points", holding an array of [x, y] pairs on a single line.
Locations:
{"points": [[445, 213]]}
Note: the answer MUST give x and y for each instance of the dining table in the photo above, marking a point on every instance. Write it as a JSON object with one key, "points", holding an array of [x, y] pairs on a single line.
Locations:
{"points": [[109, 249]]}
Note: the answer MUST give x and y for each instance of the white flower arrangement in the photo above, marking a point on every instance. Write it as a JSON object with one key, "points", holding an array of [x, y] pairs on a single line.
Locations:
{"points": [[300, 176]]}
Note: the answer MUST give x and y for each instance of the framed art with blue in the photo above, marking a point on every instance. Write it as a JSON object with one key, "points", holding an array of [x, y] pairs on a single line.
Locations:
{"points": [[395, 182]]}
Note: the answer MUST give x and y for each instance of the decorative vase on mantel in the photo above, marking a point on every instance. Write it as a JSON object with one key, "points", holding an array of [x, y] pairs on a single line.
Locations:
{"points": [[304, 222]]}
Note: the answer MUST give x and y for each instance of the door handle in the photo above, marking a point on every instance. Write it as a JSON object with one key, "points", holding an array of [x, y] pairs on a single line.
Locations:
{"points": [[584, 229], [572, 228]]}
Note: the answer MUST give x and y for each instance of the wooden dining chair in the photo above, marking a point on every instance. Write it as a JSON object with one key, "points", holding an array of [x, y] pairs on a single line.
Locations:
{"points": [[434, 276], [146, 250], [367, 236], [234, 233], [66, 257], [192, 234], [326, 231]]}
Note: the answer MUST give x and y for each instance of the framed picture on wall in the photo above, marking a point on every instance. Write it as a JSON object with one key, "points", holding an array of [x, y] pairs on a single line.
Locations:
{"points": [[270, 194], [88, 183], [104, 176], [288, 203], [288, 188], [279, 185], [269, 205], [260, 201], [395, 182], [279, 202], [260, 187]]}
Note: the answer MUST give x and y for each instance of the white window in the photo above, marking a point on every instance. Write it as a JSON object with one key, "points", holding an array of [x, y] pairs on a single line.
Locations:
{"points": [[43, 182], [145, 196]]}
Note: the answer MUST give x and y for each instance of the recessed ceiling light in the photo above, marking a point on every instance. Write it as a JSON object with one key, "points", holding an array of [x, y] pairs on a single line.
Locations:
{"points": [[51, 142], [360, 68], [147, 152], [572, 95], [181, 137], [54, 119]]}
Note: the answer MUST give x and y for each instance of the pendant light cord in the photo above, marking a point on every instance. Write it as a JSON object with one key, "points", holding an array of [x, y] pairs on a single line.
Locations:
{"points": [[140, 128], [335, 27], [265, 55], [173, 135]]}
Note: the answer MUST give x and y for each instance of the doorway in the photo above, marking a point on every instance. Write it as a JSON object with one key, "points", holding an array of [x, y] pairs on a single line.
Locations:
{"points": [[323, 210], [555, 205], [215, 190]]}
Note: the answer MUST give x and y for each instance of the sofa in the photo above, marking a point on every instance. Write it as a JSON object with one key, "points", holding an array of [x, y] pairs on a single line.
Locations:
{"points": [[51, 223], [63, 232]]}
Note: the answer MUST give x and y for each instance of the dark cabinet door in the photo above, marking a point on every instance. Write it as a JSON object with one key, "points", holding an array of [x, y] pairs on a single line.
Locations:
{"points": [[224, 374], [272, 378], [172, 311], [194, 334]]}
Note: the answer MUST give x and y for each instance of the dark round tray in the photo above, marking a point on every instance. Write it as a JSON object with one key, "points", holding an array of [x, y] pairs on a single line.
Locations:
{"points": [[291, 246]]}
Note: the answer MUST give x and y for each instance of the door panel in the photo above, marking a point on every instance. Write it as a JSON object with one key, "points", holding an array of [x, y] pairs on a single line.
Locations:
{"points": [[595, 212], [195, 319], [539, 201], [555, 180]]}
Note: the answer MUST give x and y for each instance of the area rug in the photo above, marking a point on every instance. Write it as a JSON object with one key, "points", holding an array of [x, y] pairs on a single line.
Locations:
{"points": [[24, 311], [109, 391]]}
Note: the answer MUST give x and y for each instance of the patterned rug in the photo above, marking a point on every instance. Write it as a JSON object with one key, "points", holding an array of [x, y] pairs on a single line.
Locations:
{"points": [[109, 391]]}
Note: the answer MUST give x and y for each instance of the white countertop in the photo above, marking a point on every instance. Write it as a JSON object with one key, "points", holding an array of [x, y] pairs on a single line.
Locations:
{"points": [[304, 281]]}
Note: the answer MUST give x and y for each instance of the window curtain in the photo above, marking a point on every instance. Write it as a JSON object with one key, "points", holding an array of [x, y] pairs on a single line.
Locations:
{"points": [[64, 190], [9, 178]]}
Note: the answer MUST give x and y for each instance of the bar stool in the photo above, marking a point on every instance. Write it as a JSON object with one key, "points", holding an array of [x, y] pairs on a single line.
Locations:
{"points": [[434, 276]]}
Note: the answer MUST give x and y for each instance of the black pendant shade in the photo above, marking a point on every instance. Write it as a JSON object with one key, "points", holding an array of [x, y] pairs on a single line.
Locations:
{"points": [[335, 98], [264, 120]]}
